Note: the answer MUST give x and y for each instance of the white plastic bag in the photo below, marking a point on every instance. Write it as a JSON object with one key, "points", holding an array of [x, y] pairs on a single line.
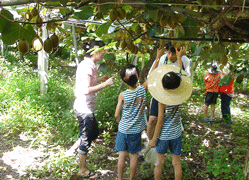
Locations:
{"points": [[150, 154]]}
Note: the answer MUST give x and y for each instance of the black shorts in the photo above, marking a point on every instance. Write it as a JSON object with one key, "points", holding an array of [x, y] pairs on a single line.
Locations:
{"points": [[153, 107], [211, 98], [89, 131]]}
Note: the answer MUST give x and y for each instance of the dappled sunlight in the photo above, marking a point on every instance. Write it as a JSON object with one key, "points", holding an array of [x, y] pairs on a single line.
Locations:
{"points": [[20, 158]]}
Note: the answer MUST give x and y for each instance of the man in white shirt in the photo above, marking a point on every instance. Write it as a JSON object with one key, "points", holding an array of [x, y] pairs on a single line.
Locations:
{"points": [[86, 88], [174, 57]]}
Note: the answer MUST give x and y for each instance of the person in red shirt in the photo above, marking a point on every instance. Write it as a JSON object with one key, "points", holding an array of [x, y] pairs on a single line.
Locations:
{"points": [[211, 79], [226, 94]]}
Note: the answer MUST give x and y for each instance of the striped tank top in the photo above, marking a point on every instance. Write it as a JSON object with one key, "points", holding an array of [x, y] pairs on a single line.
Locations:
{"points": [[132, 120], [172, 126]]}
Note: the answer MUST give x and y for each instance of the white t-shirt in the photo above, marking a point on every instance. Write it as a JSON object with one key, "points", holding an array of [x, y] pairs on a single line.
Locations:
{"points": [[85, 101], [185, 60]]}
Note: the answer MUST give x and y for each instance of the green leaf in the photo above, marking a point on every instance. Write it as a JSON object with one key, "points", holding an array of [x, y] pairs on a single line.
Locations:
{"points": [[3, 21], [110, 56], [153, 14], [198, 50], [63, 2], [152, 31], [103, 29], [106, 8], [64, 11], [12, 33], [29, 33], [85, 13], [191, 28]]}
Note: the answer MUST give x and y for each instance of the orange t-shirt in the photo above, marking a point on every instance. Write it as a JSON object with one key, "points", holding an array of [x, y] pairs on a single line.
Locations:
{"points": [[212, 82], [229, 88]]}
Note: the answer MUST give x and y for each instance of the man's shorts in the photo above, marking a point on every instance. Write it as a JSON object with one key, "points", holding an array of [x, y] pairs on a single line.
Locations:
{"points": [[153, 107], [174, 145], [131, 142], [211, 98], [89, 131]]}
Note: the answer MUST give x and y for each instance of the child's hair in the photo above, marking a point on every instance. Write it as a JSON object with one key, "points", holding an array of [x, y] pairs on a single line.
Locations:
{"points": [[171, 80], [129, 74], [91, 44]]}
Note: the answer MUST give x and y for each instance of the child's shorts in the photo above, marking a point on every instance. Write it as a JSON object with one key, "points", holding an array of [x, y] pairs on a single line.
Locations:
{"points": [[211, 98], [174, 145], [131, 142]]}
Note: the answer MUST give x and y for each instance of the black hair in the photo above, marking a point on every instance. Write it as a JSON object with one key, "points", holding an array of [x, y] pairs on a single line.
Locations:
{"points": [[132, 81], [171, 80], [172, 49], [90, 44]]}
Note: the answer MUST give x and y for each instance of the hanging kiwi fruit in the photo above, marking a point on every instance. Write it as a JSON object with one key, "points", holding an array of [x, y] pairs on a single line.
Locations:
{"points": [[28, 15], [48, 45], [55, 40], [34, 12], [23, 46], [37, 44], [38, 21]]}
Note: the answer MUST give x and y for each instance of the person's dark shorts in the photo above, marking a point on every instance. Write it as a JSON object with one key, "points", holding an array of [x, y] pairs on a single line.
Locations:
{"points": [[174, 145], [131, 142], [211, 98], [89, 131], [153, 107]]}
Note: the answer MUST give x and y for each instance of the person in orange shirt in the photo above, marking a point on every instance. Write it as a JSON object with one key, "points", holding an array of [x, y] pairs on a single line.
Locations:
{"points": [[226, 94], [211, 79]]}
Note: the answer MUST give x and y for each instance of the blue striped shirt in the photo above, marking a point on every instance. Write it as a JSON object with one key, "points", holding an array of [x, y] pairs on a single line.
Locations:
{"points": [[172, 126], [132, 120]]}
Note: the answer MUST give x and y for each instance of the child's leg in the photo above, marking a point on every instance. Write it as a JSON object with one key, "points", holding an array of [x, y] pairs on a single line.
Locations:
{"points": [[212, 110], [133, 165], [159, 167], [177, 166], [205, 111], [121, 163]]}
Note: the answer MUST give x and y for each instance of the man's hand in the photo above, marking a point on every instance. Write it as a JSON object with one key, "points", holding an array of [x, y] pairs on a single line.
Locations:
{"points": [[180, 53], [160, 52], [109, 81]]}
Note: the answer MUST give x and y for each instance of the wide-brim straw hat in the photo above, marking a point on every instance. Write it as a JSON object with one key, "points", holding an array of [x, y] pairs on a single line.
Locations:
{"points": [[172, 96]]}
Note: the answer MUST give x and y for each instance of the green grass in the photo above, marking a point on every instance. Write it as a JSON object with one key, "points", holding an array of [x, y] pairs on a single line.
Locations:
{"points": [[210, 151]]}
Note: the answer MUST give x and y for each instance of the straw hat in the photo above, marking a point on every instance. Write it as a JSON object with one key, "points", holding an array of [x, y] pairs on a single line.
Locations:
{"points": [[178, 85]]}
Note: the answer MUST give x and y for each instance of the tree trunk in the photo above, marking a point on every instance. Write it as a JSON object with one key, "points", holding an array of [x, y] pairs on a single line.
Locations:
{"points": [[145, 70]]}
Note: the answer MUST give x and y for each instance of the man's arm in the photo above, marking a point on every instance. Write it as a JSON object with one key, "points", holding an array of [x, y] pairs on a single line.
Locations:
{"points": [[119, 106], [159, 124], [160, 52], [179, 55], [103, 78], [93, 89]]}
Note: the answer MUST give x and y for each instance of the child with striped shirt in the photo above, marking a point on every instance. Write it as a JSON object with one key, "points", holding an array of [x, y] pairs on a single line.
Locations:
{"points": [[132, 123]]}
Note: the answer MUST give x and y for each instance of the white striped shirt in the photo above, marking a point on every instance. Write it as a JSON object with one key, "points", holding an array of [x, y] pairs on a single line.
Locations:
{"points": [[132, 120], [172, 126]]}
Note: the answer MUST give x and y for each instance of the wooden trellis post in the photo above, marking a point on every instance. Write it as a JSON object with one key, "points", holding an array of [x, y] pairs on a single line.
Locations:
{"points": [[75, 45], [43, 58]]}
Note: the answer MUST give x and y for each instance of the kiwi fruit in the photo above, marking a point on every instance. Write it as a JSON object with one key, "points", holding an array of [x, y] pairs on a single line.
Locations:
{"points": [[28, 15], [138, 29], [37, 44], [34, 12], [23, 46], [38, 21], [55, 39], [123, 44], [48, 45]]}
